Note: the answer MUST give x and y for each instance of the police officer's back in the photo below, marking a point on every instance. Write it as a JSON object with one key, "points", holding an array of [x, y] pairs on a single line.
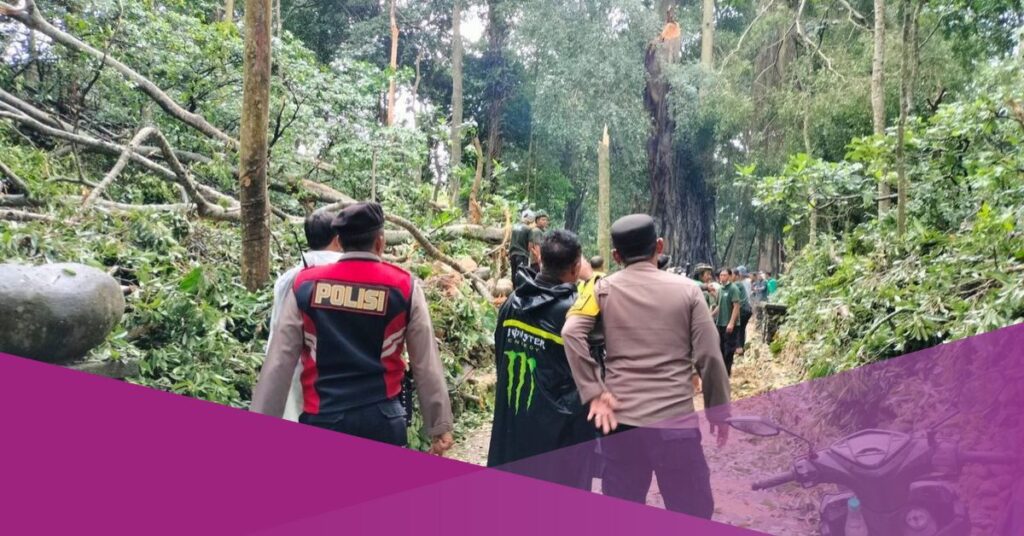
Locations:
{"points": [[349, 322]]}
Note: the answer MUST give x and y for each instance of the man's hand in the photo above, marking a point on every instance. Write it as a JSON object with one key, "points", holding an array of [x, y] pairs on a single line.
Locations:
{"points": [[602, 412], [698, 386], [441, 444], [729, 328], [721, 430]]}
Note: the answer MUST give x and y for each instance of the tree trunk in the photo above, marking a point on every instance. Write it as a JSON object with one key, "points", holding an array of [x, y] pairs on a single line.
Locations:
{"points": [[456, 137], [878, 96], [393, 81], [277, 18], [707, 35], [253, 152], [229, 10], [682, 203], [496, 90], [910, 11], [604, 196]]}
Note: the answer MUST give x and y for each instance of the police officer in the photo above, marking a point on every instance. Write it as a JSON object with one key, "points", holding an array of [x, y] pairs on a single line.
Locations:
{"points": [[349, 322], [658, 332]]}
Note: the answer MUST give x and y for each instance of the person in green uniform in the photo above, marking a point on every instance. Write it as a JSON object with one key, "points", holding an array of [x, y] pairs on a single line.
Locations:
{"points": [[540, 227], [772, 285], [727, 316]]}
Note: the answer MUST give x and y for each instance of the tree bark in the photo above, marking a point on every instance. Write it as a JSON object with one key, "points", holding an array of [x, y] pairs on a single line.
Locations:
{"points": [[910, 11], [253, 154], [604, 196], [682, 202], [878, 96], [707, 35], [229, 11], [393, 82], [496, 90], [456, 125]]}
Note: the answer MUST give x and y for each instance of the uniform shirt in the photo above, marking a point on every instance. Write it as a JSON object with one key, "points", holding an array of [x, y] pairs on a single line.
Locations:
{"points": [[658, 332], [283, 287], [519, 242], [745, 292], [287, 341], [727, 296]]}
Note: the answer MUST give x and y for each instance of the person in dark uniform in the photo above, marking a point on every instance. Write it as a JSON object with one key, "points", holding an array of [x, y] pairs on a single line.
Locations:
{"points": [[537, 408], [519, 246], [348, 323]]}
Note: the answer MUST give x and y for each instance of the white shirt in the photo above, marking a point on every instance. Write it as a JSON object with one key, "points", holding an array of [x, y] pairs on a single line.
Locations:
{"points": [[283, 285]]}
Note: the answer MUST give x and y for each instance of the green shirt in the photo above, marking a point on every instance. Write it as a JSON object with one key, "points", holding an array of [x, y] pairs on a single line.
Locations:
{"points": [[536, 236], [772, 285], [727, 296], [520, 240]]}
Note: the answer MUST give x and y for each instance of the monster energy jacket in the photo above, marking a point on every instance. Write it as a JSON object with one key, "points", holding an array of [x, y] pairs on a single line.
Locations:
{"points": [[537, 407]]}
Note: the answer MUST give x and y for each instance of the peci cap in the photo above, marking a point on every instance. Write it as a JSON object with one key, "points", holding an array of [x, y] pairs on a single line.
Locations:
{"points": [[634, 237], [358, 219]]}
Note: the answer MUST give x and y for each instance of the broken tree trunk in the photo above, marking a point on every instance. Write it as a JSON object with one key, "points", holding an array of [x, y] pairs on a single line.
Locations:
{"points": [[604, 197]]}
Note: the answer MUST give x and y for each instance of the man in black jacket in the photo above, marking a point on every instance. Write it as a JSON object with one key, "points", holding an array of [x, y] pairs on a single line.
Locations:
{"points": [[537, 407]]}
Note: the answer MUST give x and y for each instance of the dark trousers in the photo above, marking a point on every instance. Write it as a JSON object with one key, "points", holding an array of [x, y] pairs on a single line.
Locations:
{"points": [[675, 456], [727, 343], [741, 329], [383, 421]]}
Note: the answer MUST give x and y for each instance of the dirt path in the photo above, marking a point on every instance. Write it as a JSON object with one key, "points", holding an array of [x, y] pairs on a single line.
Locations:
{"points": [[789, 510]]}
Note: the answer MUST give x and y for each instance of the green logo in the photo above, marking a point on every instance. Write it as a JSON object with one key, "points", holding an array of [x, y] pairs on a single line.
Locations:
{"points": [[518, 363]]}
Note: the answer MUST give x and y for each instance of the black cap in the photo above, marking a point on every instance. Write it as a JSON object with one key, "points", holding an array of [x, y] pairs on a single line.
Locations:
{"points": [[634, 237], [358, 219]]}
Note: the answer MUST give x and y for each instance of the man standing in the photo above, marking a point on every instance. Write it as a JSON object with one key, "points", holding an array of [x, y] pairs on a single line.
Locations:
{"points": [[324, 249], [657, 334], [707, 285], [727, 316], [741, 278], [519, 245], [537, 408], [536, 238], [350, 321]]}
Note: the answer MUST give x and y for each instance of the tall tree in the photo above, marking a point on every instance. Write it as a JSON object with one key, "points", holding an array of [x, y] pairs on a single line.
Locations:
{"points": [[456, 125], [252, 170], [496, 91], [908, 59], [229, 10], [707, 35], [878, 95], [682, 203], [393, 78]]}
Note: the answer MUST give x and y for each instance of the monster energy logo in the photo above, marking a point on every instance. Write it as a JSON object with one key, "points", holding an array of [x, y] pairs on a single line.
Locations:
{"points": [[518, 363]]}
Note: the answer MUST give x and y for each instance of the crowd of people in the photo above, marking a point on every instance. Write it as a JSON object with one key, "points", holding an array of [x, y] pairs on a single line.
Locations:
{"points": [[580, 354]]}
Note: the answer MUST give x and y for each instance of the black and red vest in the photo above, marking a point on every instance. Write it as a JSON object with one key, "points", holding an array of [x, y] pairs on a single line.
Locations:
{"points": [[354, 315]]}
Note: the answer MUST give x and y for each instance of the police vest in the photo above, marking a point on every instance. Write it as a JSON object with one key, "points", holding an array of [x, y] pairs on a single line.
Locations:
{"points": [[354, 315]]}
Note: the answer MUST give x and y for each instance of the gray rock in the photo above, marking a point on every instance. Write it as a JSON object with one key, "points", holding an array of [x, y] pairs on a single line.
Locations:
{"points": [[56, 312]]}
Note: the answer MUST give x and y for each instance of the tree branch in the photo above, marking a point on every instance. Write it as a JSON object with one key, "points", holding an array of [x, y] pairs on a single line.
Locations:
{"points": [[744, 35], [15, 179], [122, 161], [20, 215], [30, 17]]}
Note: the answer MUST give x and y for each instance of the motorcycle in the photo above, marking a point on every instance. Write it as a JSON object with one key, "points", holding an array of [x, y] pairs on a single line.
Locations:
{"points": [[890, 483]]}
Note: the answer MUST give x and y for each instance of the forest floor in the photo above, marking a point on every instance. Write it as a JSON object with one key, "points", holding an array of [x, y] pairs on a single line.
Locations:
{"points": [[788, 510]]}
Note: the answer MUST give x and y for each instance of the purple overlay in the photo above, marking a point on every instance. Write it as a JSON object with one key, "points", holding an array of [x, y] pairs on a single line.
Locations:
{"points": [[84, 454], [925, 444]]}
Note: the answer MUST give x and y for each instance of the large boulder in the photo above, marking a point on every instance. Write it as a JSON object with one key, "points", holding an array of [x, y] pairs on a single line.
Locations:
{"points": [[56, 312]]}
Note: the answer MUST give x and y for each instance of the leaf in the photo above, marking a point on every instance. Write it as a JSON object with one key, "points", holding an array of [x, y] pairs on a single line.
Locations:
{"points": [[191, 281], [69, 271]]}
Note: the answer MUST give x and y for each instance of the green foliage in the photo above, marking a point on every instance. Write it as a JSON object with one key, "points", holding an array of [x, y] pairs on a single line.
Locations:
{"points": [[869, 294]]}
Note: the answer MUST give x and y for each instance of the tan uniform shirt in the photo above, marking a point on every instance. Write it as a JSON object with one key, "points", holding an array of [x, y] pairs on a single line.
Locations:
{"points": [[286, 343], [658, 332]]}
